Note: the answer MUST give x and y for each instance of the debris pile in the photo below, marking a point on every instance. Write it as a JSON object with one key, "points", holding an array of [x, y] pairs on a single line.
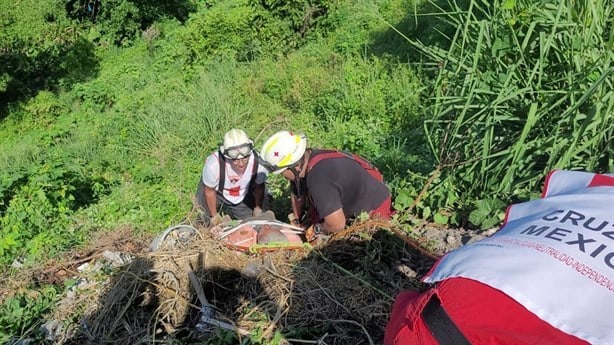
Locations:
{"points": [[197, 288]]}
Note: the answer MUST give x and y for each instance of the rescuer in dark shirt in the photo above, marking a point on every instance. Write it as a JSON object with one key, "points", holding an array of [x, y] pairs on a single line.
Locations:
{"points": [[338, 185]]}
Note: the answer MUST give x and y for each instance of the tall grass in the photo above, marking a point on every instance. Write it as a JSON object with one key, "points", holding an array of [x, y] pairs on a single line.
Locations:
{"points": [[525, 87]]}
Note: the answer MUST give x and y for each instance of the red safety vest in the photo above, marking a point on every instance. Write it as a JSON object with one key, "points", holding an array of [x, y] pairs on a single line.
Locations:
{"points": [[326, 154], [544, 278]]}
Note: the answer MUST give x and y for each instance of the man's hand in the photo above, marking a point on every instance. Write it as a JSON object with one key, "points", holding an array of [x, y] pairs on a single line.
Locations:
{"points": [[293, 220], [257, 211], [216, 220]]}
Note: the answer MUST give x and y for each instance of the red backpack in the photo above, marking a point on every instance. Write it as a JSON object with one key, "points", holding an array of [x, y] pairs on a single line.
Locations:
{"points": [[325, 154]]}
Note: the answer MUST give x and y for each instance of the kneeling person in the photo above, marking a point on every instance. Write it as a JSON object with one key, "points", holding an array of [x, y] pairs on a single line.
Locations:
{"points": [[232, 182], [337, 185]]}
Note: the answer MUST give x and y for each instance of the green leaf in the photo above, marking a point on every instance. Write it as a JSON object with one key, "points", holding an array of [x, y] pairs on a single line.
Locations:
{"points": [[402, 200], [426, 212], [508, 4], [441, 219], [486, 213]]}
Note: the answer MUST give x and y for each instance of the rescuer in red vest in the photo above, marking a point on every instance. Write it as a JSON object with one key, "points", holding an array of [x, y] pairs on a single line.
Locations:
{"points": [[546, 277], [337, 184]]}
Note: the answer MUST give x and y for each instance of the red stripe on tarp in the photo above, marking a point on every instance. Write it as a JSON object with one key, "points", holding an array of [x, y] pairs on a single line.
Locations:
{"points": [[507, 215], [602, 180], [547, 183]]}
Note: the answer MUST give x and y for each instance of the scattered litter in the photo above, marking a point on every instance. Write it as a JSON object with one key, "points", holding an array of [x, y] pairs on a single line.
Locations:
{"points": [[173, 237], [17, 263], [52, 330], [117, 259], [406, 270], [205, 315]]}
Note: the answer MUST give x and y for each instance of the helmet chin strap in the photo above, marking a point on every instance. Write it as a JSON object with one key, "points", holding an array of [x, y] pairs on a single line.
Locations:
{"points": [[296, 170]]}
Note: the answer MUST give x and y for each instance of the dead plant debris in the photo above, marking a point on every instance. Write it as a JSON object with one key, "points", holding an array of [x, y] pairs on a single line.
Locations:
{"points": [[338, 292]]}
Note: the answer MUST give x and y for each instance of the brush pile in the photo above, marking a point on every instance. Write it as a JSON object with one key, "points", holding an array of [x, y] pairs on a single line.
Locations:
{"points": [[340, 291]]}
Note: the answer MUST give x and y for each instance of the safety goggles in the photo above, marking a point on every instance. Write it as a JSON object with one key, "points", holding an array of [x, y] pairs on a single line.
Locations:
{"points": [[237, 152]]}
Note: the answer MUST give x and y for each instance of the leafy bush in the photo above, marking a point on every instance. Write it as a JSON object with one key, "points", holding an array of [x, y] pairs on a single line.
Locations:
{"points": [[222, 30], [40, 50], [20, 314], [302, 17], [36, 205], [119, 22], [247, 29]]}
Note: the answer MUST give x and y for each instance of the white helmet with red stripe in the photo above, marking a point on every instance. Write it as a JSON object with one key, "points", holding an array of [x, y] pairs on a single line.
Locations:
{"points": [[283, 150]]}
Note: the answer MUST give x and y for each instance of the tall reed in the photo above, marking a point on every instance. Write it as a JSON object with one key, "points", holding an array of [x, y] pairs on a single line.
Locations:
{"points": [[525, 87]]}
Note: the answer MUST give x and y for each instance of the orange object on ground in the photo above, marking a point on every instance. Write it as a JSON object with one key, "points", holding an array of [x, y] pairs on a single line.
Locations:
{"points": [[260, 236]]}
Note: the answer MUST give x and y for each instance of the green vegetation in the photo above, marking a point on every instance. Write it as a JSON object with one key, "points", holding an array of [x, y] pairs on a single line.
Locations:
{"points": [[22, 314], [106, 118]]}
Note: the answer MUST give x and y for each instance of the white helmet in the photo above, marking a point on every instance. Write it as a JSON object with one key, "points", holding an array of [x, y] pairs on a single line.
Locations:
{"points": [[283, 150], [236, 144]]}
